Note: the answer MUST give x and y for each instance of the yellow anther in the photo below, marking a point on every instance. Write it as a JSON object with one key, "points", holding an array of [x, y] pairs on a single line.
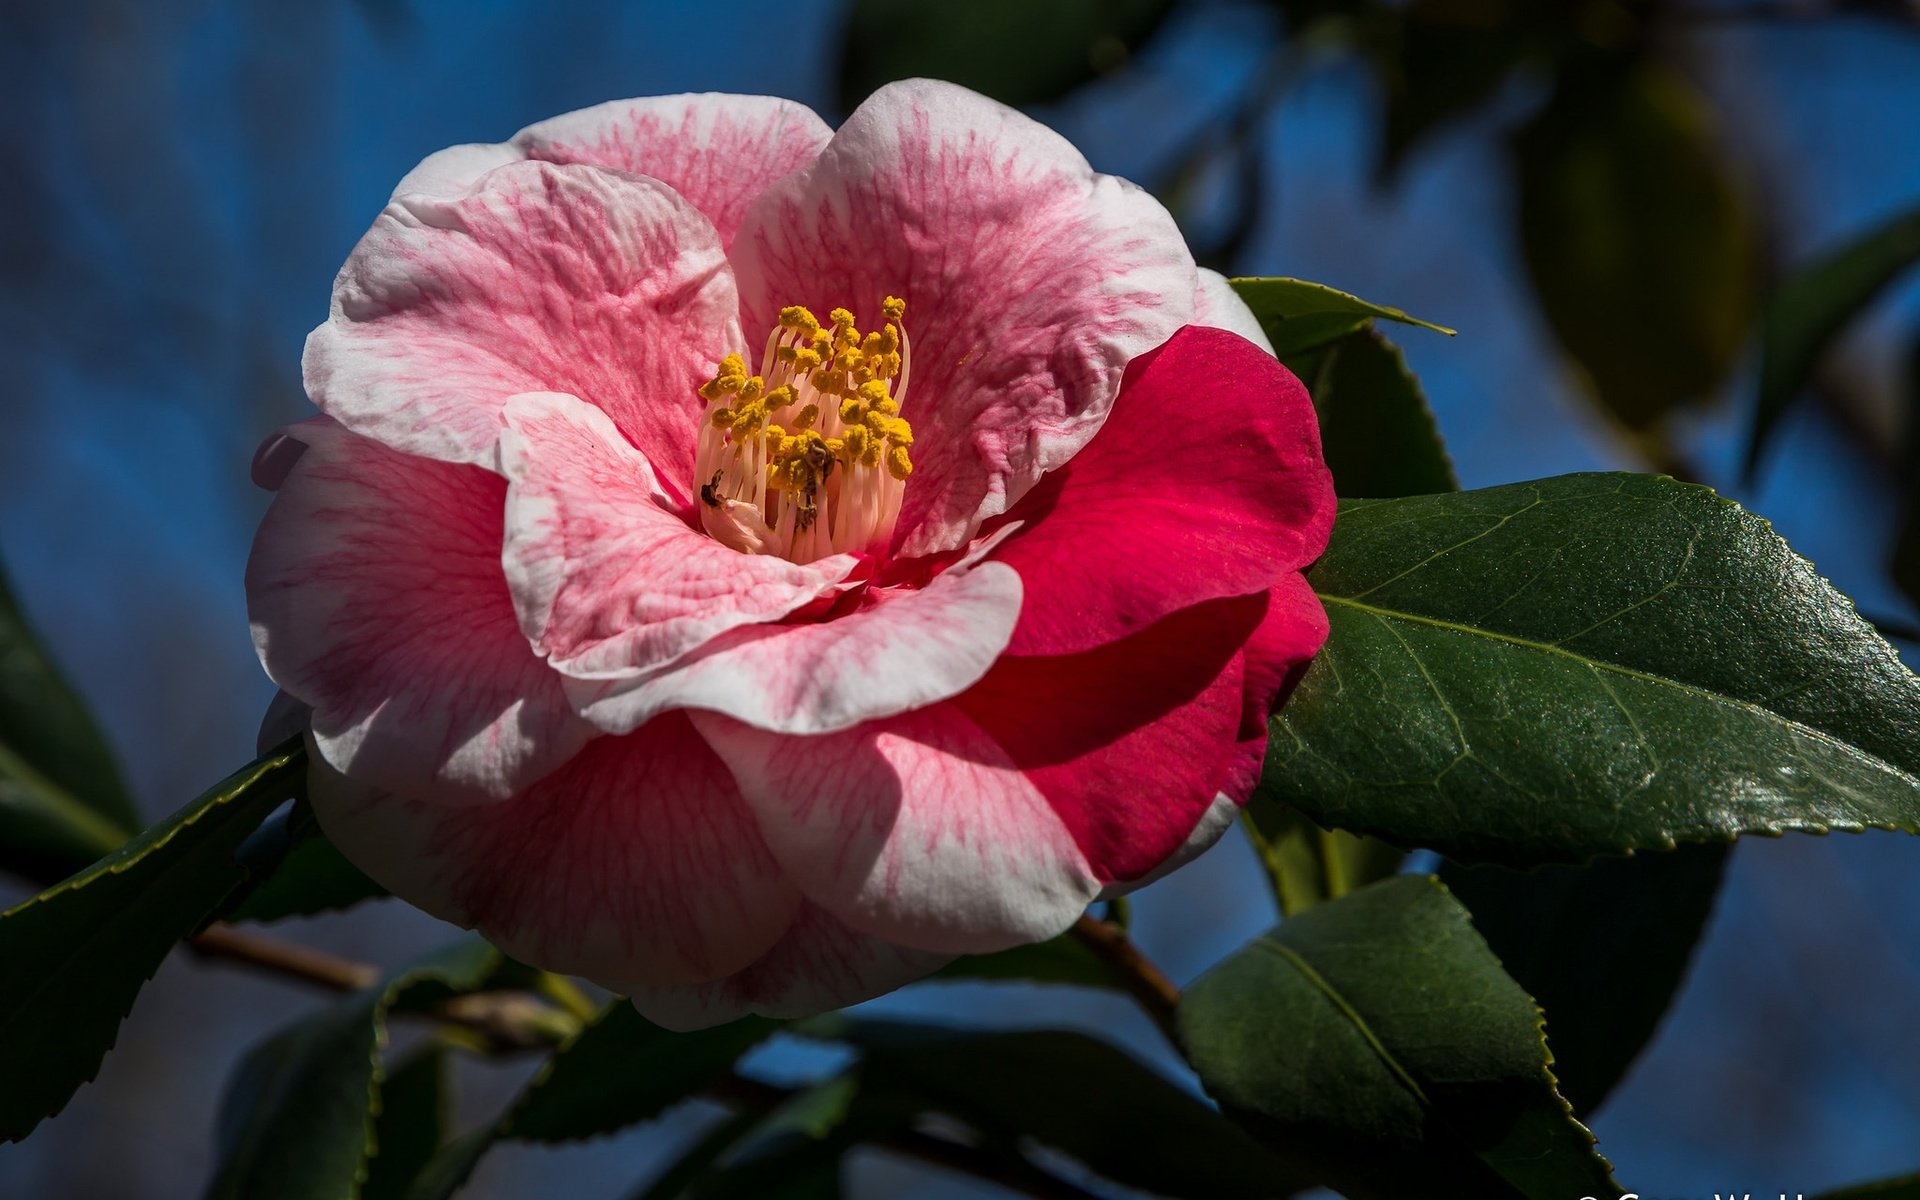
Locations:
{"points": [[797, 316], [808, 418], [899, 432], [841, 318], [805, 359], [893, 308], [723, 418], [751, 389], [854, 443], [887, 406], [898, 464], [873, 391], [852, 411]]}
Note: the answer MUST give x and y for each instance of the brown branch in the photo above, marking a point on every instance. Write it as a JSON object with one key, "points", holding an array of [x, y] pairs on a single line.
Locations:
{"points": [[222, 941], [1148, 983]]}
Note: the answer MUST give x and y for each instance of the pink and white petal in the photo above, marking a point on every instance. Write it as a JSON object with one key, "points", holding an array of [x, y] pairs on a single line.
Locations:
{"points": [[1206, 481], [1211, 826], [1216, 304], [1030, 281], [449, 174], [607, 286], [908, 650], [607, 581], [819, 966], [637, 861], [717, 150], [1131, 742], [376, 596], [917, 829]]}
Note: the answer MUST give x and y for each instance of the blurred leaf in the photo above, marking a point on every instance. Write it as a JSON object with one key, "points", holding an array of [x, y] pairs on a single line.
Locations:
{"points": [[1906, 1187], [1585, 665], [1375, 1041], [1439, 64], [1062, 960], [1298, 315], [1375, 427], [619, 1070], [298, 1118], [1602, 948], [698, 1158], [1018, 52], [311, 876], [1068, 1091], [1808, 310], [62, 802], [413, 1115], [1641, 251], [793, 1151], [1308, 865], [77, 954]]}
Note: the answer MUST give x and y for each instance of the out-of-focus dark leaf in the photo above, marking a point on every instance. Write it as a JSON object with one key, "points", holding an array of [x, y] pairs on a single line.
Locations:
{"points": [[1602, 948], [413, 1118], [793, 1152], [1906, 1187], [1068, 1091], [1641, 250], [62, 802], [1806, 312], [1016, 51], [1376, 430], [77, 954], [1375, 1041], [298, 1121], [1063, 960], [1440, 62], [1586, 665]]}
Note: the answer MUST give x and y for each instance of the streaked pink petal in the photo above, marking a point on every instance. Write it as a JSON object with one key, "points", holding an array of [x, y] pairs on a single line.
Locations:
{"points": [[449, 174], [376, 596], [908, 650], [607, 580], [718, 151], [1130, 742], [820, 965], [1206, 481], [1275, 658], [606, 286], [1216, 304], [917, 829], [635, 862], [1030, 282]]}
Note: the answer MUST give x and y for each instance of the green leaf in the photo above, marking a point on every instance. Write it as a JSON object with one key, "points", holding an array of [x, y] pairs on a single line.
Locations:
{"points": [[62, 801], [618, 1070], [1804, 314], [1436, 69], [1016, 51], [1376, 1042], [1298, 315], [1375, 427], [310, 877], [299, 1117], [1068, 1091], [77, 954], [1602, 948], [1062, 960], [1642, 252], [414, 1103], [795, 1151], [1587, 665], [1906, 1187], [1308, 865]]}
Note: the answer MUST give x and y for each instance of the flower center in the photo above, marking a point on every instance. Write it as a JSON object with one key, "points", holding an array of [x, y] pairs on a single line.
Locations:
{"points": [[809, 457]]}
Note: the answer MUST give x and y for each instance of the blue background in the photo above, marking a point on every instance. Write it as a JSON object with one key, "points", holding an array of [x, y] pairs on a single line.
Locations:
{"points": [[184, 177]]}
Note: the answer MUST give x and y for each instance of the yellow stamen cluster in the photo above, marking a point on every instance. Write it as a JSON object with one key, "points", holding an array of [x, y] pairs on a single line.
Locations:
{"points": [[818, 432]]}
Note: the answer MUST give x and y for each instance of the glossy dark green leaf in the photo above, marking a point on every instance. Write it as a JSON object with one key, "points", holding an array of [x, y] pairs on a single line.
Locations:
{"points": [[1298, 315], [1376, 430], [1586, 665], [414, 1103], [62, 802], [1018, 52], [77, 954], [311, 876], [1602, 948], [1074, 1093], [1642, 252], [1805, 313], [1375, 1041], [620, 1069], [1906, 1187], [1062, 960], [1308, 865], [298, 1120]]}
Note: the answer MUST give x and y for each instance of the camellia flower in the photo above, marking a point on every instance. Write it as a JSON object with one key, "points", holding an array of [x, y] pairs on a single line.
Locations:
{"points": [[749, 565]]}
